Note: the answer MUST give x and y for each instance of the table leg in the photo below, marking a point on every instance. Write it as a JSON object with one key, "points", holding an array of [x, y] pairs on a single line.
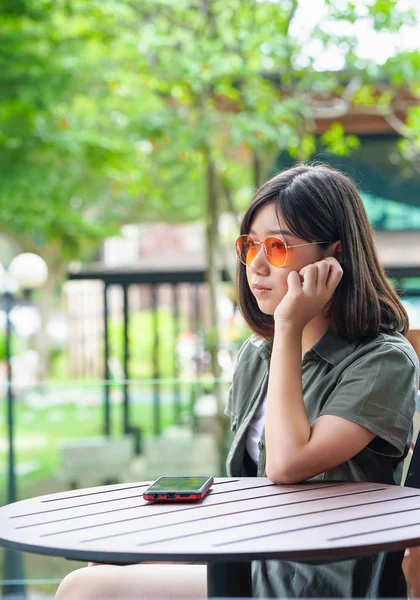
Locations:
{"points": [[229, 580]]}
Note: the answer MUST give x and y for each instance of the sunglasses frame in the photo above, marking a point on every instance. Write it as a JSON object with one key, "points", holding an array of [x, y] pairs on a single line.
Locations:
{"points": [[271, 237]]}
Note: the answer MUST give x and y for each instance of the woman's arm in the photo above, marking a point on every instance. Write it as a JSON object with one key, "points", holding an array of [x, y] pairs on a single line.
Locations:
{"points": [[287, 429], [295, 451]]}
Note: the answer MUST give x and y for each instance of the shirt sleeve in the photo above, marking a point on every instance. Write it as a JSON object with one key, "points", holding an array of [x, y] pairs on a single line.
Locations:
{"points": [[230, 409], [379, 391]]}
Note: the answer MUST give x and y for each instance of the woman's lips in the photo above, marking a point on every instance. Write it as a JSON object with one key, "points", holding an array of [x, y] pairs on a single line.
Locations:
{"points": [[260, 290]]}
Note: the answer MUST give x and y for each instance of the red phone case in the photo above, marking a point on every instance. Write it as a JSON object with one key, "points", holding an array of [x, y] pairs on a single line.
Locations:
{"points": [[176, 496], [159, 496]]}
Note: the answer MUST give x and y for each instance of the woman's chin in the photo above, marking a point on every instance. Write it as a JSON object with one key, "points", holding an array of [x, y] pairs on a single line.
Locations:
{"points": [[266, 307]]}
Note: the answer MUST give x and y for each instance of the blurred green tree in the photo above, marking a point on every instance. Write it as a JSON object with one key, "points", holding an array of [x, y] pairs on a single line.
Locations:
{"points": [[119, 111]]}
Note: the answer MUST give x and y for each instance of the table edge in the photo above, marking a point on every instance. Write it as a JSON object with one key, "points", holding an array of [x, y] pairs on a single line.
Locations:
{"points": [[129, 558]]}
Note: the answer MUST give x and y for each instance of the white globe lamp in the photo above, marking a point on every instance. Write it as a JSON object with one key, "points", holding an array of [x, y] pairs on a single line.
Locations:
{"points": [[29, 270]]}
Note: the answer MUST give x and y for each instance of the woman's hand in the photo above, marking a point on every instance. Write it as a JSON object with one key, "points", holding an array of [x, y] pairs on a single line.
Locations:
{"points": [[309, 292]]}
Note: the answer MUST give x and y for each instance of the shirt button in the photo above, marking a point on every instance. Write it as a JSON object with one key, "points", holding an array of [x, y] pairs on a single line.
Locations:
{"points": [[261, 445]]}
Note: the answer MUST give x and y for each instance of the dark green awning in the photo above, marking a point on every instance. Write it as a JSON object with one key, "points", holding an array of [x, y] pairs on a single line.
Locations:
{"points": [[379, 171]]}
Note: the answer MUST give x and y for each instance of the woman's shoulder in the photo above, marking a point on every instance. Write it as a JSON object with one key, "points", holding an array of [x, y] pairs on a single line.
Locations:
{"points": [[394, 345], [390, 353], [251, 359], [254, 346]]}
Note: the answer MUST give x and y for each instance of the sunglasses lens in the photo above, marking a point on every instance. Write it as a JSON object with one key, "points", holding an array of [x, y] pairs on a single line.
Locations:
{"points": [[246, 249], [276, 252]]}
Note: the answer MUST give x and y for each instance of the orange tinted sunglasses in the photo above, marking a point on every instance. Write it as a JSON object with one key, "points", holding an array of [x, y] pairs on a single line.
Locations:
{"points": [[275, 250]]}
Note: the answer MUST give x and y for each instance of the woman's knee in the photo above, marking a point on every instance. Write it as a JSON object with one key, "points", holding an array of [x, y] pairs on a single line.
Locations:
{"points": [[150, 581], [86, 583], [68, 586]]}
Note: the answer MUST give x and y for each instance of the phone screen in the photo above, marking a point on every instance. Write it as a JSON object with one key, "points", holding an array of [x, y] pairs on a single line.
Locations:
{"points": [[178, 484]]}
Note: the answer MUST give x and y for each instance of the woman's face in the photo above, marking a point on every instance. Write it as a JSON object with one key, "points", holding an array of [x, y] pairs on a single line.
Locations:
{"points": [[268, 283]]}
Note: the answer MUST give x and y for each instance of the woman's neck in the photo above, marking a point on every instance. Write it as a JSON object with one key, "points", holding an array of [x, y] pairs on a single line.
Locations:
{"points": [[313, 332]]}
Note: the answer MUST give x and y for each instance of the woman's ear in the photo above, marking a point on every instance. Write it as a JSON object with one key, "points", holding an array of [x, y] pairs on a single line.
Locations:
{"points": [[335, 250]]}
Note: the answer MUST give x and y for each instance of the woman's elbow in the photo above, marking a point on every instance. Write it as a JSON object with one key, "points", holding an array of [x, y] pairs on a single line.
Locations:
{"points": [[283, 474]]}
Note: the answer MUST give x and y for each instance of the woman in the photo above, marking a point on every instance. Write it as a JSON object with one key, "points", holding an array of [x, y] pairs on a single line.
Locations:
{"points": [[325, 388]]}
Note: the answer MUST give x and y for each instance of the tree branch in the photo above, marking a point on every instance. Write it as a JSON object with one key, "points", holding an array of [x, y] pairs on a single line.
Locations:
{"points": [[229, 200]]}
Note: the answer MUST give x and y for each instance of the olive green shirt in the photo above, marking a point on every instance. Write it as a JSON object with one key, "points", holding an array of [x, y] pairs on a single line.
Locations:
{"points": [[374, 384]]}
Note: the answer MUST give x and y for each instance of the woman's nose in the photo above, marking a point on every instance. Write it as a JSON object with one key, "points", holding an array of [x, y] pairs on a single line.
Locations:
{"points": [[260, 262]]}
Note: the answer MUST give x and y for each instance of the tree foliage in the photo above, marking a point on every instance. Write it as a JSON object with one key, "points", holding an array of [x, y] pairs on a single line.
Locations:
{"points": [[109, 108]]}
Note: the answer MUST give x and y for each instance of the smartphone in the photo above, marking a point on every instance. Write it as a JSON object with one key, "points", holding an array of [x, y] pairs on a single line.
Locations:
{"points": [[178, 489]]}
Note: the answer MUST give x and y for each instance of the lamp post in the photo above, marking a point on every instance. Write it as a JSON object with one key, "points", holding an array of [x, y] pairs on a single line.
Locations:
{"points": [[26, 271]]}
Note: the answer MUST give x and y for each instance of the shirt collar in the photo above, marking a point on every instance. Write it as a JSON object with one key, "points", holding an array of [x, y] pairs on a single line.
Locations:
{"points": [[332, 348]]}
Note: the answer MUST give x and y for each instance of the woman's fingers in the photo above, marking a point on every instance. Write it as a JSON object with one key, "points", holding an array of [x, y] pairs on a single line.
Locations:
{"points": [[310, 277], [335, 274], [334, 279], [315, 275], [325, 274], [294, 282]]}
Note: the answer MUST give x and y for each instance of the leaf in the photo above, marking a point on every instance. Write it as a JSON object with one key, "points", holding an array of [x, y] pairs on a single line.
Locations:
{"points": [[337, 142]]}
